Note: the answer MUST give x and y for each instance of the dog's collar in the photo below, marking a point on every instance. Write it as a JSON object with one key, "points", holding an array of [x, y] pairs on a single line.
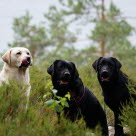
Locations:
{"points": [[79, 98]]}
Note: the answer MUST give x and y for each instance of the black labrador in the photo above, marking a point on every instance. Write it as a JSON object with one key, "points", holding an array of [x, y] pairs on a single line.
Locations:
{"points": [[114, 85], [65, 78]]}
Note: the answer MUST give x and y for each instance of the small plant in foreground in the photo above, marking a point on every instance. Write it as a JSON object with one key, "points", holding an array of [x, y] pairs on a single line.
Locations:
{"points": [[57, 102]]}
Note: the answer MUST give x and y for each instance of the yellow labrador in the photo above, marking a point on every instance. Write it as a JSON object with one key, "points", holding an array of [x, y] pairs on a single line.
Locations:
{"points": [[17, 61]]}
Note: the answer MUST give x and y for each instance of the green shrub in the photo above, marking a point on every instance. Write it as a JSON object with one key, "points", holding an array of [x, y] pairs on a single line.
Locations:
{"points": [[40, 120], [57, 102], [129, 111], [129, 118], [12, 100], [37, 120]]}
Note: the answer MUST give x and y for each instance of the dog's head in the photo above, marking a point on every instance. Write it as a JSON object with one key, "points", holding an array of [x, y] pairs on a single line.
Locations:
{"points": [[19, 57], [64, 72], [107, 68]]}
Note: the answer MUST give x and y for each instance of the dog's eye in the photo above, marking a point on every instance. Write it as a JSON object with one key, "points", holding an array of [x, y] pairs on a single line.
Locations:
{"points": [[60, 67], [18, 53], [28, 53]]}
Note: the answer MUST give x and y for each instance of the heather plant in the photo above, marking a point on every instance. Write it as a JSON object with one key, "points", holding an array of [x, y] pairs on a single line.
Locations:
{"points": [[12, 100], [129, 111], [129, 118], [40, 119]]}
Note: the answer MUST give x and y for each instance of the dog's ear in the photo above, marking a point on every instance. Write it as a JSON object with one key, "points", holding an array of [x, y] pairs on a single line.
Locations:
{"points": [[50, 70], [76, 75], [7, 57], [95, 64], [117, 63]]}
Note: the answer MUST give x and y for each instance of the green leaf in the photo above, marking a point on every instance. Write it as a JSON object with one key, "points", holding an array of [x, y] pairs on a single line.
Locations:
{"points": [[50, 102], [66, 104], [54, 91], [59, 97], [58, 108], [45, 96], [68, 96], [63, 99], [48, 93]]}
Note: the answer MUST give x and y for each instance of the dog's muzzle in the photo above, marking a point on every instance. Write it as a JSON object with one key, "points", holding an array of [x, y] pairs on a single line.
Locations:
{"points": [[65, 78], [105, 76], [67, 75], [61, 82], [26, 62]]}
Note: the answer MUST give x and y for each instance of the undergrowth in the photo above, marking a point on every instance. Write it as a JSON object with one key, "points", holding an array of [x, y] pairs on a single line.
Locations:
{"points": [[39, 119]]}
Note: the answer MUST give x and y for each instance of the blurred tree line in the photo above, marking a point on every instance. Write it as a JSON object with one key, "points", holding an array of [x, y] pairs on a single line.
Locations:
{"points": [[53, 38]]}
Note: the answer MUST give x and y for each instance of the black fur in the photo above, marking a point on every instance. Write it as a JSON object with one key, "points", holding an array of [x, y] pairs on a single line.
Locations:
{"points": [[82, 99], [114, 86]]}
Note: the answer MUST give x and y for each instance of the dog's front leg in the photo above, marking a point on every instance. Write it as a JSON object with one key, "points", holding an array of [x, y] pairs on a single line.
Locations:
{"points": [[70, 113], [118, 127], [27, 95]]}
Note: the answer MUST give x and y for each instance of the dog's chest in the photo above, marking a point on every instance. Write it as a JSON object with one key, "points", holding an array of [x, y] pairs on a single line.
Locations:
{"points": [[112, 102], [113, 98], [21, 76]]}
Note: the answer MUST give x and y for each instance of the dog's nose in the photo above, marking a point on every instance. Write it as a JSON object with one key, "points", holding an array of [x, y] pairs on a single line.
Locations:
{"points": [[105, 73], [66, 73], [28, 58]]}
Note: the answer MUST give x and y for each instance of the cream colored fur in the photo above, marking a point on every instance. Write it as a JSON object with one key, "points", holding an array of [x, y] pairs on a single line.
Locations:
{"points": [[12, 69]]}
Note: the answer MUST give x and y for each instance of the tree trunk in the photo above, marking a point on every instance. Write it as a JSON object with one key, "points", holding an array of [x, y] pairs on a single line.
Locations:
{"points": [[102, 42]]}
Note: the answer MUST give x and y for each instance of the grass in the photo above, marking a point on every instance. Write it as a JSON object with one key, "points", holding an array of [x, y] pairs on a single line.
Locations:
{"points": [[39, 120]]}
